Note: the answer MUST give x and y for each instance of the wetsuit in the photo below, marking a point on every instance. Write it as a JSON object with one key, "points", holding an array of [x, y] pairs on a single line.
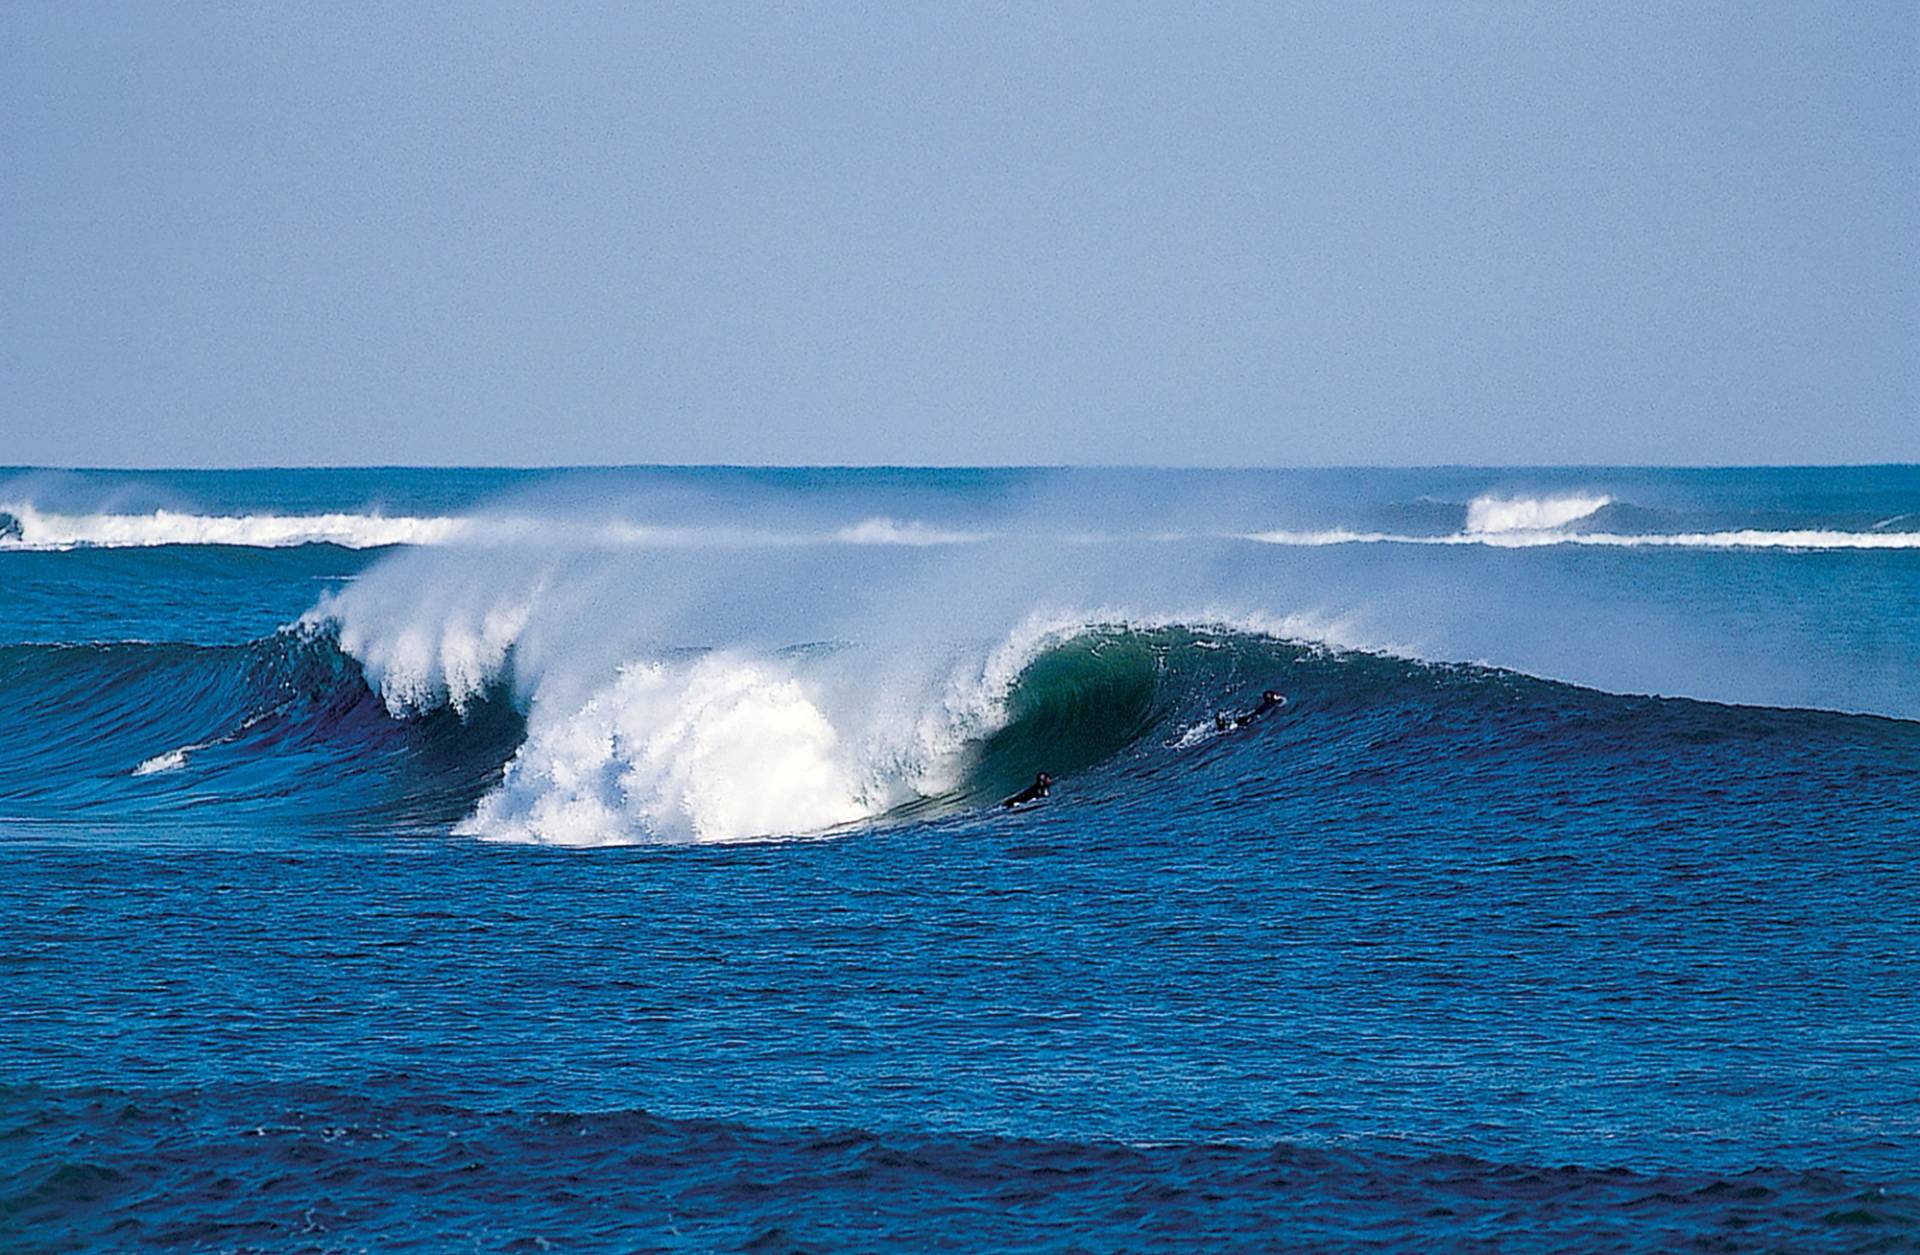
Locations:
{"points": [[1268, 701], [1042, 783]]}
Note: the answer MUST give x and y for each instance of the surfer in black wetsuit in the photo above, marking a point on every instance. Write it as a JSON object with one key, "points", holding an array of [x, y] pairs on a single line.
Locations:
{"points": [[1041, 786], [1269, 701]]}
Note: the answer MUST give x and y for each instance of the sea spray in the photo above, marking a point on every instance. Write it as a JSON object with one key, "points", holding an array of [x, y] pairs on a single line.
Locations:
{"points": [[1530, 514]]}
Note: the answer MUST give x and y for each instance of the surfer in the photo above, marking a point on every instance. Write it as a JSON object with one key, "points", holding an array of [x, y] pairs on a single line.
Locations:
{"points": [[1041, 786], [1269, 701]]}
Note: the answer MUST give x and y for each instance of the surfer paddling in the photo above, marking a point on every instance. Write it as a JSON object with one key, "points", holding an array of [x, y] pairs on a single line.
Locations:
{"points": [[1041, 786], [1269, 701]]}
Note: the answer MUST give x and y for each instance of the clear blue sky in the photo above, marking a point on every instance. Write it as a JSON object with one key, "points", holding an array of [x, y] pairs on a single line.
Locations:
{"points": [[1262, 234]]}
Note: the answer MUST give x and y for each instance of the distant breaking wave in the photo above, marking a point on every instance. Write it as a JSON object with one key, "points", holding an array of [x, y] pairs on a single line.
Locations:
{"points": [[1490, 520], [25, 526], [1741, 539], [1534, 522], [1500, 515]]}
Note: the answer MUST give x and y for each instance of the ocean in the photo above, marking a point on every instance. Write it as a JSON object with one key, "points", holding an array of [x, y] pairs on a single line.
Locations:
{"points": [[613, 859]]}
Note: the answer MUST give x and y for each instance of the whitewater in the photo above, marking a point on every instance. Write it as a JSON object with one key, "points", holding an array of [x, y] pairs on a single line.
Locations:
{"points": [[1490, 520]]}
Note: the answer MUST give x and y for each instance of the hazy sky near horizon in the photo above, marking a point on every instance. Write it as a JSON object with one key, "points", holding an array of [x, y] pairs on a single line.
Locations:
{"points": [[1211, 234]]}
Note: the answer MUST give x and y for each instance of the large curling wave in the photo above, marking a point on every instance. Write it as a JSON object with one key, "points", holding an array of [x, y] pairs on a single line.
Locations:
{"points": [[733, 744]]}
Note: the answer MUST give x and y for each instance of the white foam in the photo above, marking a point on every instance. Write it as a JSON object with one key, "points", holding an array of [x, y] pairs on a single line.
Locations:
{"points": [[42, 529], [885, 531], [736, 745], [443, 650], [1511, 523], [1331, 536], [1742, 539], [723, 749], [49, 530], [172, 760], [1194, 734], [1806, 539], [1491, 514]]}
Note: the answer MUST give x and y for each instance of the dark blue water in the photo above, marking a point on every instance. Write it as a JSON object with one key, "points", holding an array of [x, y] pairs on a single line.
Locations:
{"points": [[440, 897]]}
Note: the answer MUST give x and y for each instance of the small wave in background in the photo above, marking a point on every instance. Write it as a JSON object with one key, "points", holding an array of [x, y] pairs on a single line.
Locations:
{"points": [[1506, 524]]}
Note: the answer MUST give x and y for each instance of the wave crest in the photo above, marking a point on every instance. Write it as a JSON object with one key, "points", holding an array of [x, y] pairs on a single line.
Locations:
{"points": [[31, 528], [1745, 538], [1493, 514], [25, 526]]}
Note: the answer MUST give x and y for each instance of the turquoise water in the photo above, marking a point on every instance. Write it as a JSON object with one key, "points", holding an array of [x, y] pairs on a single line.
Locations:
{"points": [[611, 859]]}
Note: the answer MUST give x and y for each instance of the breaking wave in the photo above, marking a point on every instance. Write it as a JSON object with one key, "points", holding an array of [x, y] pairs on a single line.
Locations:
{"points": [[732, 744], [1744, 538], [25, 526], [1490, 514], [1492, 520]]}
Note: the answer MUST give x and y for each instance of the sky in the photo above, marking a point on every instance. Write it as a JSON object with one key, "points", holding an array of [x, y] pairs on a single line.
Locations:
{"points": [[1176, 234]]}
